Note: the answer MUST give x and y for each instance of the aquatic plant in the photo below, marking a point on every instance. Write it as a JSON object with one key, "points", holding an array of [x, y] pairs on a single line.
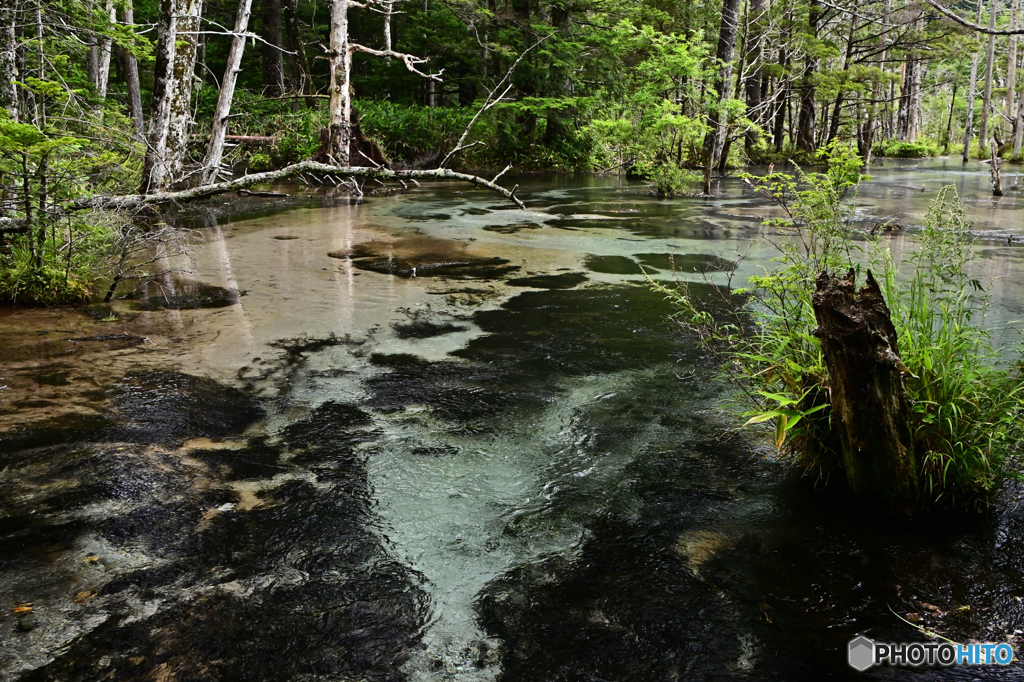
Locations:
{"points": [[957, 397]]}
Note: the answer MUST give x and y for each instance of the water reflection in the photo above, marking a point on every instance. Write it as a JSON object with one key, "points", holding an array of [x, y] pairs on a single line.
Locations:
{"points": [[519, 471]]}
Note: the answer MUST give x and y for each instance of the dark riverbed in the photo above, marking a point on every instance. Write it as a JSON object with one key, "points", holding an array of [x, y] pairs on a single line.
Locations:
{"points": [[430, 437]]}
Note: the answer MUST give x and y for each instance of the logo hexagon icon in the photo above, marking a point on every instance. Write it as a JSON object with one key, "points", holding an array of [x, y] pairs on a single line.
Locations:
{"points": [[862, 654]]}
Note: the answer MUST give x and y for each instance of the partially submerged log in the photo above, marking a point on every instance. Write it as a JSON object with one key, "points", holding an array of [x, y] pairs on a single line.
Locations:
{"points": [[868, 395], [135, 201]]}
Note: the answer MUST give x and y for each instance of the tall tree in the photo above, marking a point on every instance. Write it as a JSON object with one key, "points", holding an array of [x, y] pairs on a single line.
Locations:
{"points": [[8, 60], [987, 100], [273, 59], [714, 139], [972, 94], [215, 148]]}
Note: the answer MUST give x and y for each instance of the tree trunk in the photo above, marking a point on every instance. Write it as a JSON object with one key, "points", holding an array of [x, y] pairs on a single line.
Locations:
{"points": [[1018, 132], [972, 94], [714, 139], [989, 64], [154, 168], [273, 60], [8, 60], [180, 124], [805, 120], [948, 137], [995, 161], [341, 98], [215, 149], [103, 66], [833, 131], [1011, 67], [870, 409], [297, 45], [131, 76], [755, 10]]}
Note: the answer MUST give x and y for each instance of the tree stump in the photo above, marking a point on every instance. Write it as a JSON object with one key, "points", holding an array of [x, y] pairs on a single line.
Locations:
{"points": [[868, 394]]}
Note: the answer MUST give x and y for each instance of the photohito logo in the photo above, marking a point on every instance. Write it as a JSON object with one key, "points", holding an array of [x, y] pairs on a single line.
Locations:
{"points": [[864, 653]]}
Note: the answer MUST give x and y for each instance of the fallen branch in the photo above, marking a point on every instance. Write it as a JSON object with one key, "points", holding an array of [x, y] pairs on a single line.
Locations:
{"points": [[130, 201]]}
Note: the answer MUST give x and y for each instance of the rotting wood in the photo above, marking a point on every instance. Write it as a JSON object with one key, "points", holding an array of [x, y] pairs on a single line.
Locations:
{"points": [[868, 394]]}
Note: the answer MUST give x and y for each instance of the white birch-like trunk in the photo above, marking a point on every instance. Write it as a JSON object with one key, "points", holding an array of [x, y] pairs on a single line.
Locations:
{"points": [[8, 61], [154, 169], [1011, 67], [103, 68], [972, 94], [180, 123], [215, 149], [341, 98]]}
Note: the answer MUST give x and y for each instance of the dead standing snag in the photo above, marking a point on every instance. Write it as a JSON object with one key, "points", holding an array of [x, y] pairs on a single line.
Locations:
{"points": [[869, 399]]}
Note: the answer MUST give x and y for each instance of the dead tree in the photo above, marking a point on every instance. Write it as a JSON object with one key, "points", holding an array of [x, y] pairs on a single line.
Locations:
{"points": [[341, 51], [870, 407], [215, 150]]}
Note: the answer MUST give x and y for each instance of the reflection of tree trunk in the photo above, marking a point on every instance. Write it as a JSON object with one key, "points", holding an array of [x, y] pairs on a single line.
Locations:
{"points": [[131, 76], [714, 139], [215, 149], [869, 402], [8, 61], [273, 61], [989, 64]]}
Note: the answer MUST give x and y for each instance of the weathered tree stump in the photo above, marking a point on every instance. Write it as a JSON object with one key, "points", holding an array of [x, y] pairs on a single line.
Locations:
{"points": [[868, 394]]}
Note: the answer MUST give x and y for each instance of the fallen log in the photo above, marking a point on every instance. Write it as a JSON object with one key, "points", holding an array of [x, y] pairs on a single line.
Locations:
{"points": [[132, 201], [868, 395]]}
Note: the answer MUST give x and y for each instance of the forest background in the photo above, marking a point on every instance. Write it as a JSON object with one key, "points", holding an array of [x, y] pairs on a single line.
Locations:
{"points": [[124, 97]]}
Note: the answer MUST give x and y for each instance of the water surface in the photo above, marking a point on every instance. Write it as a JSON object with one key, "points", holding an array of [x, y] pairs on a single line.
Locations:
{"points": [[432, 437]]}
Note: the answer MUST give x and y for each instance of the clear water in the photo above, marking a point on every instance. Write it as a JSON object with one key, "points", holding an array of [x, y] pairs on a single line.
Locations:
{"points": [[510, 466]]}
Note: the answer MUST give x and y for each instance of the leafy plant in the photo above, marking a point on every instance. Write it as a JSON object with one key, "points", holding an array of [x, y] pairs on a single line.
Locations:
{"points": [[966, 400]]}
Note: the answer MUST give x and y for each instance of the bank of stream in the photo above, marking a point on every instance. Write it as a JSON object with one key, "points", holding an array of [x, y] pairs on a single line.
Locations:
{"points": [[430, 437]]}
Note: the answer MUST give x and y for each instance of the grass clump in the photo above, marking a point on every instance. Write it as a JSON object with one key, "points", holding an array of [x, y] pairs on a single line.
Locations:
{"points": [[966, 394]]}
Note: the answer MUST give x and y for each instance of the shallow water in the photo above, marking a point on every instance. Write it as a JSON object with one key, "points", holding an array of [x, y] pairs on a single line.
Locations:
{"points": [[431, 437]]}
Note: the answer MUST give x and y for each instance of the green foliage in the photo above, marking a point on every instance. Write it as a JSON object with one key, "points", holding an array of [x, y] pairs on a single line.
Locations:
{"points": [[898, 149], [967, 402]]}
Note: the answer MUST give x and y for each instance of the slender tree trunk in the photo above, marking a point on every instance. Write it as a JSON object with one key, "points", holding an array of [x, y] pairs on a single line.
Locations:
{"points": [[297, 44], [987, 103], [948, 138], [837, 110], [273, 61], [180, 124], [755, 10], [215, 150], [805, 122], [8, 60], [972, 94], [1018, 132], [341, 102], [103, 65], [714, 139], [154, 168], [1011, 67], [131, 76]]}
